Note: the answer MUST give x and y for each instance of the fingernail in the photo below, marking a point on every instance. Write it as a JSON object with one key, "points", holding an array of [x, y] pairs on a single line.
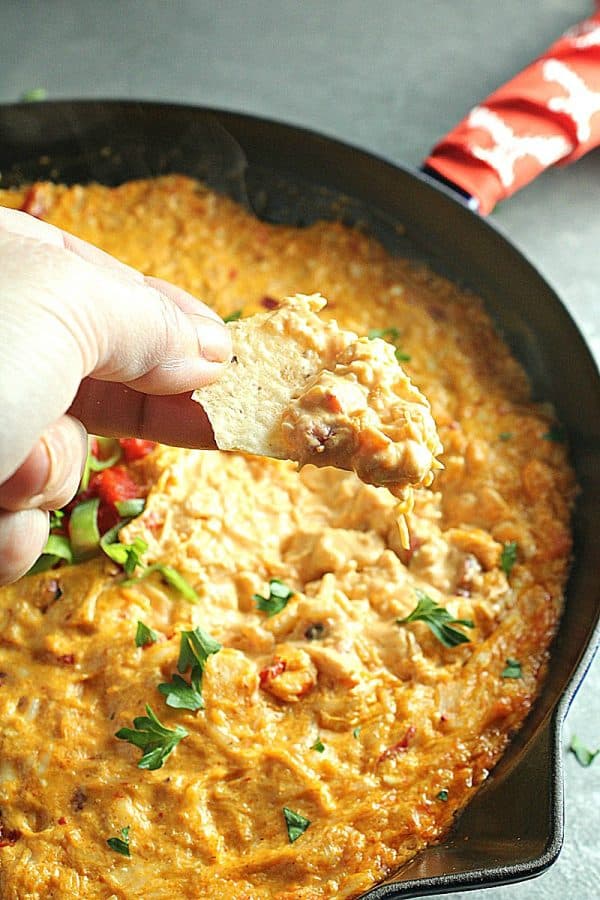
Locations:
{"points": [[214, 339]]}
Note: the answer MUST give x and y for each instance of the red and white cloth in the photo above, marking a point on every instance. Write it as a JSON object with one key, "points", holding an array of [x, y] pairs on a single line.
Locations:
{"points": [[549, 113]]}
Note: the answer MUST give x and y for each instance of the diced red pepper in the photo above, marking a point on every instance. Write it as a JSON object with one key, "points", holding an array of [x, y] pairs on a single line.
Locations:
{"points": [[136, 448], [113, 485], [401, 746], [267, 674]]}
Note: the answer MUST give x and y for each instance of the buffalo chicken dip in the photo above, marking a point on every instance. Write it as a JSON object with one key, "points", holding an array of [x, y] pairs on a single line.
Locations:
{"points": [[228, 677]]}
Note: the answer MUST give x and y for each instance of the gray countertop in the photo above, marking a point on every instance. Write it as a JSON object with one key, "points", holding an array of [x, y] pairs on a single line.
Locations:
{"points": [[391, 76]]}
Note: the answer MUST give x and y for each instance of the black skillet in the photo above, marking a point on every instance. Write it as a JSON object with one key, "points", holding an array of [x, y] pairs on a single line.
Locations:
{"points": [[513, 829]]}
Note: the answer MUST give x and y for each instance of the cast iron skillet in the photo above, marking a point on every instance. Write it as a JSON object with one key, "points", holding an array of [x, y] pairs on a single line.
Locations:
{"points": [[513, 828]]}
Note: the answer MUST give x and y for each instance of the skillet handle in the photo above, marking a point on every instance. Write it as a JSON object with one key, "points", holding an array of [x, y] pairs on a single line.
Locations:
{"points": [[549, 113]]}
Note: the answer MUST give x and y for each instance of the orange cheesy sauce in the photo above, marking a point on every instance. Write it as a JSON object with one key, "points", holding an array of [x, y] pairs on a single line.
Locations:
{"points": [[369, 729]]}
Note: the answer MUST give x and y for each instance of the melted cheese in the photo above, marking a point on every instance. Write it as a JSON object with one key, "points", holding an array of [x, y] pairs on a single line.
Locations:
{"points": [[400, 716]]}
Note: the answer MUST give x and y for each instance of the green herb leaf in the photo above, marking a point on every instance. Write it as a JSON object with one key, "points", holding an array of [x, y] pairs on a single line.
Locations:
{"points": [[296, 824], [386, 334], [234, 316], [513, 669], [505, 436], [439, 621], [583, 755], [126, 555], [83, 529], [153, 738], [171, 576], [443, 795], [35, 95], [279, 594], [144, 635], [508, 557], [120, 844], [319, 746], [356, 732], [393, 336], [556, 433], [181, 695], [195, 648], [129, 509]]}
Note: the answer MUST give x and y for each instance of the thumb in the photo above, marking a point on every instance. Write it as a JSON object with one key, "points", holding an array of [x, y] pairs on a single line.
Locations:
{"points": [[64, 317]]}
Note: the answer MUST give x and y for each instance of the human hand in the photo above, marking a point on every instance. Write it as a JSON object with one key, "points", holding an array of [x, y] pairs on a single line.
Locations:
{"points": [[87, 344]]}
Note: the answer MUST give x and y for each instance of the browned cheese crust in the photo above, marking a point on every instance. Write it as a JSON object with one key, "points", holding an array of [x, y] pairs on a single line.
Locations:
{"points": [[401, 717]]}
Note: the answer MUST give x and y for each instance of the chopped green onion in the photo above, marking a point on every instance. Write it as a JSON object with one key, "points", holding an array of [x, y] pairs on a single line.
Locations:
{"points": [[113, 453], [171, 576], [234, 316], [356, 732], [126, 555], [319, 746], [57, 547], [583, 755], [83, 529], [443, 795], [505, 435], [129, 509]]}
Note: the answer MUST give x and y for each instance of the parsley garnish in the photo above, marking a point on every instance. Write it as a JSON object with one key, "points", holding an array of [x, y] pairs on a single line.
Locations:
{"points": [[557, 434], [508, 557], [234, 316], [505, 435], [443, 795], [153, 738], [583, 756], [356, 732], [171, 576], [120, 844], [279, 594], [513, 669], [194, 649], [296, 824], [181, 695], [393, 336], [438, 619], [144, 635], [319, 746]]}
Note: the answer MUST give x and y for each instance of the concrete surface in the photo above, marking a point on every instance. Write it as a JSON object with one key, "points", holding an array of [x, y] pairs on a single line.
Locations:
{"points": [[391, 76]]}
